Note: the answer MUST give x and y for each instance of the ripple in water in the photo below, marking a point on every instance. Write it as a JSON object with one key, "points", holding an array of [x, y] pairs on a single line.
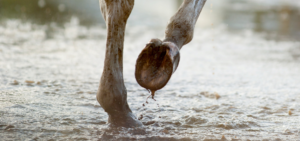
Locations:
{"points": [[236, 87]]}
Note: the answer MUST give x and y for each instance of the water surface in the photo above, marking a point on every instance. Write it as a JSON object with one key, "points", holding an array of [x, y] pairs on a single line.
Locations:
{"points": [[238, 85]]}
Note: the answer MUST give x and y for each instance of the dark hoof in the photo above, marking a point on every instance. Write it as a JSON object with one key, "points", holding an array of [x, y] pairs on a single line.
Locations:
{"points": [[156, 64]]}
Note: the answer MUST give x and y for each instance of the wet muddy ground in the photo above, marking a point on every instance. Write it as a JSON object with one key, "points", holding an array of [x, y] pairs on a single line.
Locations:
{"points": [[233, 86]]}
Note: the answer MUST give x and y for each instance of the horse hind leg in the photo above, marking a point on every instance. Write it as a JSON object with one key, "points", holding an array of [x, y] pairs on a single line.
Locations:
{"points": [[112, 94], [160, 59]]}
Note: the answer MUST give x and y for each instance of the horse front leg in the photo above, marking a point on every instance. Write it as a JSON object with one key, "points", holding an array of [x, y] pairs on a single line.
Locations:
{"points": [[159, 59], [112, 94]]}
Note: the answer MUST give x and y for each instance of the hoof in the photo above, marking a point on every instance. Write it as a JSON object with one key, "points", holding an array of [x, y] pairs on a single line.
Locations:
{"points": [[156, 64], [128, 121]]}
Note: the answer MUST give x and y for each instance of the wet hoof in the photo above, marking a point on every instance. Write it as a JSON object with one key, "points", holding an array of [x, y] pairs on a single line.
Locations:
{"points": [[156, 64]]}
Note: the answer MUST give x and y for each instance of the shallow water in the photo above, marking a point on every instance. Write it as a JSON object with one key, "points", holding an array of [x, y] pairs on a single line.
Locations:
{"points": [[237, 85]]}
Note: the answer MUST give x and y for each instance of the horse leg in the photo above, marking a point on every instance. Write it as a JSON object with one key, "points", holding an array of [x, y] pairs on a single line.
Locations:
{"points": [[180, 30], [112, 94], [159, 59]]}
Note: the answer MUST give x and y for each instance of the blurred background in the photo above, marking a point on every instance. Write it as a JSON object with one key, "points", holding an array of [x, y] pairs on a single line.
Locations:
{"points": [[279, 17]]}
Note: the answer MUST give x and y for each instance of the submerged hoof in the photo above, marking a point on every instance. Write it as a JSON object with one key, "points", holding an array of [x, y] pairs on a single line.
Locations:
{"points": [[112, 133], [124, 120]]}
